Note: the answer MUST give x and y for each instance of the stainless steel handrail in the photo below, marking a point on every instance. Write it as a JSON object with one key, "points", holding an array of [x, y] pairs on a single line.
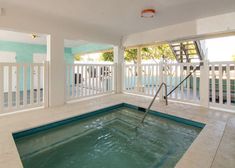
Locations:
{"points": [[150, 105]]}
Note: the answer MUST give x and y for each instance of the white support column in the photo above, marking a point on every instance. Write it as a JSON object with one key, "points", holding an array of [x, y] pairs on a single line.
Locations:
{"points": [[119, 61], [1, 89], [55, 56], [204, 84]]}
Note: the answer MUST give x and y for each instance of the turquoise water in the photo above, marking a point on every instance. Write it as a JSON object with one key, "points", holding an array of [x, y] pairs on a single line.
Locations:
{"points": [[109, 140]]}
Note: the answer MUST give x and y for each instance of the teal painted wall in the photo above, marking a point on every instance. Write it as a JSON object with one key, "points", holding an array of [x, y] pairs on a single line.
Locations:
{"points": [[24, 51], [24, 54]]}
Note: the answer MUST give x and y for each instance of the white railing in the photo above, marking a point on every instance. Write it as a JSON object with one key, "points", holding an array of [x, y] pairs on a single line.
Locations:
{"points": [[146, 78], [152, 75], [23, 86], [84, 80], [174, 73], [222, 84]]}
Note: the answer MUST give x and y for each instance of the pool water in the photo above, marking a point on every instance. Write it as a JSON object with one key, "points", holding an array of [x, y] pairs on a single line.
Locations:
{"points": [[109, 139]]}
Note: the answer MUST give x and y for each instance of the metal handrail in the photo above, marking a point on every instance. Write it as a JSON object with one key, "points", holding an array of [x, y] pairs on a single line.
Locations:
{"points": [[167, 94], [150, 105], [183, 80]]}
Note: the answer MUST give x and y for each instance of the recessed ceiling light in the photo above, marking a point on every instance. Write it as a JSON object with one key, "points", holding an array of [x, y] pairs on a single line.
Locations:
{"points": [[148, 13]]}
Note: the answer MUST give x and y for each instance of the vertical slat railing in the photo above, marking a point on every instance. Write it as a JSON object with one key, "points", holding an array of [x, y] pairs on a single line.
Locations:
{"points": [[222, 93], [91, 79], [19, 91]]}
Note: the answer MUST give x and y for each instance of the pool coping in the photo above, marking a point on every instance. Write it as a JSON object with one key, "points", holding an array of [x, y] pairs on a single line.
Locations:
{"points": [[30, 131]]}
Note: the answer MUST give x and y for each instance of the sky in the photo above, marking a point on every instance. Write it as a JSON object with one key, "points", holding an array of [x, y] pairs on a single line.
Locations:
{"points": [[220, 49]]}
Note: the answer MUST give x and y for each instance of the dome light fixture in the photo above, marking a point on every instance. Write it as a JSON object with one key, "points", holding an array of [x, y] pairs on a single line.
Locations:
{"points": [[148, 13], [34, 36]]}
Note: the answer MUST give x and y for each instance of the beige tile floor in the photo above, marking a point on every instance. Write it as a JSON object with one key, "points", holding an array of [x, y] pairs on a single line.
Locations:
{"points": [[213, 148]]}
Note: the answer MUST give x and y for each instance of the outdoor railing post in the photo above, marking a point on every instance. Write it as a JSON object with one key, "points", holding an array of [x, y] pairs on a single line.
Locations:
{"points": [[161, 77], [46, 84], [204, 84], [115, 77], [1, 89]]}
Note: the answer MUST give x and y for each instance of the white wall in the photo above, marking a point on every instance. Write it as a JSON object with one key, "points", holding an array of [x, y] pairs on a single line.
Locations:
{"points": [[206, 26]]}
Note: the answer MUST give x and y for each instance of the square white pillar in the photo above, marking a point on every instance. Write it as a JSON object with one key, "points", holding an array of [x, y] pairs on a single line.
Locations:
{"points": [[204, 84], [55, 57], [119, 61]]}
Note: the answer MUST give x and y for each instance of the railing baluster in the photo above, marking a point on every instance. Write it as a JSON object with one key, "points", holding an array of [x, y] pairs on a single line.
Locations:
{"points": [[99, 78], [213, 83], [188, 82], [93, 80], [195, 84], [181, 78], [220, 84], [45, 85], [39, 85], [89, 80], [86, 87], [31, 84], [171, 81], [9, 87], [18, 86], [148, 74], [96, 79], [68, 81], [73, 80], [228, 90], [25, 86]]}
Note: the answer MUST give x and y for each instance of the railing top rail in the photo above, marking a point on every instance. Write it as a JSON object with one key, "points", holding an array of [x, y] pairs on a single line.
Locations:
{"points": [[132, 64], [86, 64], [222, 62], [22, 64]]}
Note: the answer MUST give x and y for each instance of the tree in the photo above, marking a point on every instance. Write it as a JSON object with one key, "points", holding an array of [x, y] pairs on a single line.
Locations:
{"points": [[151, 52], [157, 52], [107, 56]]}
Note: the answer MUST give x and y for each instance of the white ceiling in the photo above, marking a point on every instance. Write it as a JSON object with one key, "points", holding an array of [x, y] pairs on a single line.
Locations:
{"points": [[122, 17]]}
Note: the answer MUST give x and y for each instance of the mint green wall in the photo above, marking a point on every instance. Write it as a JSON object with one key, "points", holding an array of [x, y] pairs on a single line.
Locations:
{"points": [[24, 54], [24, 51]]}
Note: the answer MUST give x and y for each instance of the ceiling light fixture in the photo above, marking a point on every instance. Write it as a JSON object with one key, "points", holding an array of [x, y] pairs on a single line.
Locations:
{"points": [[148, 13], [34, 36]]}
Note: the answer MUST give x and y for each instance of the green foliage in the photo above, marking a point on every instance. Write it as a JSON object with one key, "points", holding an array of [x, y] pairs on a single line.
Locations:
{"points": [[130, 55], [107, 56], [152, 52], [157, 52]]}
